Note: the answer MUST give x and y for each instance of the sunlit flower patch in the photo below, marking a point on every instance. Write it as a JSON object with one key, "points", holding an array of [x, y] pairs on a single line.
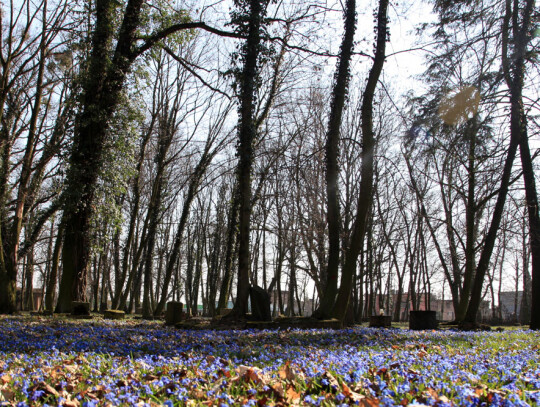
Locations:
{"points": [[146, 364]]}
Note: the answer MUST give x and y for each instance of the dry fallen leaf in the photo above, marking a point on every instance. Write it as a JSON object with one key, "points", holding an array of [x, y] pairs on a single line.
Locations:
{"points": [[6, 395], [48, 389], [278, 389], [431, 393], [253, 374], [289, 372], [292, 395], [199, 394], [347, 392], [371, 402], [332, 381], [71, 368], [444, 399]]}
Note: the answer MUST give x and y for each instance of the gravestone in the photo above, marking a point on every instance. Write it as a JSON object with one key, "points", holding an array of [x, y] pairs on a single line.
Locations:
{"points": [[113, 314], [224, 311], [174, 312], [80, 308], [380, 321], [419, 320], [260, 304]]}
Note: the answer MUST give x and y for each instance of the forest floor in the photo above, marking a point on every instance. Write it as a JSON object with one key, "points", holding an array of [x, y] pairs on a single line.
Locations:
{"points": [[86, 363]]}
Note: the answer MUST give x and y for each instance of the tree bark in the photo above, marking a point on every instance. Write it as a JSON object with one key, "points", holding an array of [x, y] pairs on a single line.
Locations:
{"points": [[119, 285], [470, 223], [10, 241]]}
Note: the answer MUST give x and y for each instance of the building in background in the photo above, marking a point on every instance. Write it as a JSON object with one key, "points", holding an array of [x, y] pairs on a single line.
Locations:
{"points": [[510, 306], [38, 299]]}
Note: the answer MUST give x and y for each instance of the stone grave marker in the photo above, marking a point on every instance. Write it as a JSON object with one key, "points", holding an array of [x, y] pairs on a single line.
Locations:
{"points": [[260, 304], [380, 321], [174, 312], [420, 320], [80, 308], [114, 314]]}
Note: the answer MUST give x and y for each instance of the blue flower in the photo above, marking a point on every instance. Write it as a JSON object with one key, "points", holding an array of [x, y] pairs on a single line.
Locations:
{"points": [[37, 394]]}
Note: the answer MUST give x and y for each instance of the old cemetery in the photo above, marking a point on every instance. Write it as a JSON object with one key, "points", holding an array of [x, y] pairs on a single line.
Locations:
{"points": [[110, 360]]}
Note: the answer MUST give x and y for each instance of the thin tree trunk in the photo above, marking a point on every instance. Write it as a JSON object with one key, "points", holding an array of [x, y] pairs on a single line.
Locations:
{"points": [[194, 184], [332, 161], [470, 218], [525, 306], [119, 286], [534, 230], [232, 231], [368, 151], [514, 75]]}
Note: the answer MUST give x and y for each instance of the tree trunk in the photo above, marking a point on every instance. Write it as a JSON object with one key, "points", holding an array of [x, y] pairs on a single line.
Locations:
{"points": [[332, 161], [119, 284], [29, 286], [10, 242], [365, 197], [470, 217], [194, 184], [101, 95], [53, 275], [534, 232], [232, 232], [154, 214], [514, 73], [247, 133]]}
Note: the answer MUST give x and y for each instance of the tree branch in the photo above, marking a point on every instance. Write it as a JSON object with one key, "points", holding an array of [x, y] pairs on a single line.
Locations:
{"points": [[38, 226], [186, 66], [153, 39]]}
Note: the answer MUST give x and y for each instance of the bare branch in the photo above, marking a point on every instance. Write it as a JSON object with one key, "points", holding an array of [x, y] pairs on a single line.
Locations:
{"points": [[188, 68], [155, 38]]}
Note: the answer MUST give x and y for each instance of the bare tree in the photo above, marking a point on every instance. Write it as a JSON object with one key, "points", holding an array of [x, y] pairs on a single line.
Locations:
{"points": [[27, 95], [365, 196]]}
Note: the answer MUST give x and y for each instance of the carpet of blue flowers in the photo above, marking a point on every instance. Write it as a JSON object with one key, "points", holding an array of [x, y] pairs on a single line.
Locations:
{"points": [[52, 362]]}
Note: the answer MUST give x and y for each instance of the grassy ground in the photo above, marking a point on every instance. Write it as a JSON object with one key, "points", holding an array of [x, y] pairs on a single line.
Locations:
{"points": [[78, 363]]}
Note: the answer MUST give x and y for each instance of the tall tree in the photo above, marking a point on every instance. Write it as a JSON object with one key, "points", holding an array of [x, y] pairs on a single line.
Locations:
{"points": [[365, 197], [250, 19], [339, 95], [112, 56], [26, 87], [209, 152], [516, 37]]}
